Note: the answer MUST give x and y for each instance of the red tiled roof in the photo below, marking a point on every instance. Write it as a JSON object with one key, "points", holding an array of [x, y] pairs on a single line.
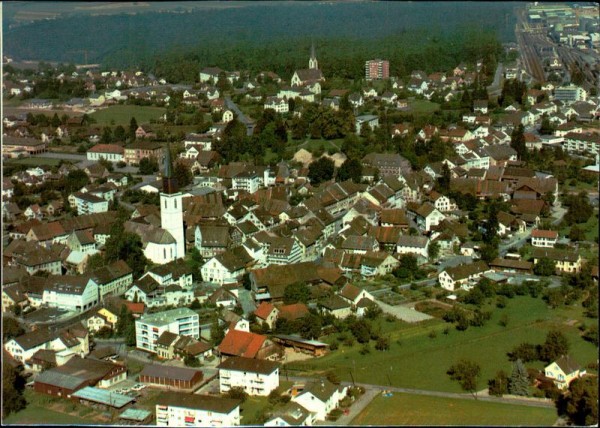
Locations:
{"points": [[107, 148], [136, 308], [293, 312], [549, 234], [264, 310], [241, 343]]}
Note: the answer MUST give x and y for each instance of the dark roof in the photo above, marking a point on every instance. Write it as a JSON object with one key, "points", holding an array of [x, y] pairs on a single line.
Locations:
{"points": [[465, 270], [200, 402], [335, 302], [166, 338], [175, 373], [322, 389], [567, 364], [242, 364]]}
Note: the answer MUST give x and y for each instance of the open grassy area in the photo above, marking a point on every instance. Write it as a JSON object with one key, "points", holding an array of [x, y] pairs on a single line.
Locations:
{"points": [[252, 408], [415, 360], [46, 410], [407, 409], [422, 106], [122, 114], [590, 228], [31, 161]]}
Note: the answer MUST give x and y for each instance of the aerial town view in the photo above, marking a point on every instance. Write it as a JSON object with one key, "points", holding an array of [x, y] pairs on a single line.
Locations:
{"points": [[276, 213]]}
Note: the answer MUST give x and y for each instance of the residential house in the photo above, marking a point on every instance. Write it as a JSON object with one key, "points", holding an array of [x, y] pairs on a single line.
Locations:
{"points": [[463, 275], [320, 397], [266, 313], [563, 371], [416, 245], [254, 376], [237, 343], [566, 261], [544, 238]]}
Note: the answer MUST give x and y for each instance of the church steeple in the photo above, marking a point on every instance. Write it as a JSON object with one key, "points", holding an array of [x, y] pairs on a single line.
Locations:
{"points": [[169, 183], [312, 62]]}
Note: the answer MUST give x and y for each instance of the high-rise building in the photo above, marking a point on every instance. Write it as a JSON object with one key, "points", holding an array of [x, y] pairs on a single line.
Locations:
{"points": [[377, 69], [171, 208]]}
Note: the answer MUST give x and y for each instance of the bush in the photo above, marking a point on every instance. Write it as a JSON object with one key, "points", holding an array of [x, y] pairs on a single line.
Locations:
{"points": [[333, 346], [432, 334], [334, 415], [238, 393], [366, 349]]}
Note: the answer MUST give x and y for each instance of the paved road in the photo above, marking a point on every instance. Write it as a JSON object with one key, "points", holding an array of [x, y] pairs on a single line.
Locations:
{"points": [[357, 407], [240, 115], [495, 88]]}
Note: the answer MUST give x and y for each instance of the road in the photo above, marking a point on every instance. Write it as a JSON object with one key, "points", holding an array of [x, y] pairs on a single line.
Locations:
{"points": [[495, 89], [240, 115], [62, 156]]}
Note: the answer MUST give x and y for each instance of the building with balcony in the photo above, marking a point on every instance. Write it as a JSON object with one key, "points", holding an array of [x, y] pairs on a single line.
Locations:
{"points": [[149, 328]]}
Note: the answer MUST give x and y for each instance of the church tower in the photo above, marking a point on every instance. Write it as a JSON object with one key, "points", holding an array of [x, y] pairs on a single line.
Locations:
{"points": [[171, 208], [312, 62]]}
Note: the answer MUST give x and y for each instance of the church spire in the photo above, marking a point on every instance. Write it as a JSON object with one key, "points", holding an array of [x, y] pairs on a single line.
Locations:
{"points": [[169, 183], [312, 62]]}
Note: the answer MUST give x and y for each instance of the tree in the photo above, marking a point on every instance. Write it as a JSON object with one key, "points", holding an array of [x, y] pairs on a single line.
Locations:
{"points": [[148, 166], [13, 387], [466, 372], [351, 169], [94, 262], [525, 352], [321, 170], [383, 343], [216, 333], [55, 121], [194, 261], [238, 393], [76, 180], [11, 328], [361, 330], [182, 174], [126, 246], [133, 126], [434, 250], [310, 326], [119, 133], [517, 142], [498, 386], [519, 380], [545, 267], [296, 292], [191, 361], [581, 404], [556, 344], [125, 326], [489, 251], [444, 179], [576, 234]]}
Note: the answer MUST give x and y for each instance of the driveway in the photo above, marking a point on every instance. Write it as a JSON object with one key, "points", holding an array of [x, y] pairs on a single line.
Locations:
{"points": [[355, 409]]}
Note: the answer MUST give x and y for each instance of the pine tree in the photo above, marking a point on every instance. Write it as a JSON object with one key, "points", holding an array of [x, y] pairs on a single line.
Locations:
{"points": [[518, 383]]}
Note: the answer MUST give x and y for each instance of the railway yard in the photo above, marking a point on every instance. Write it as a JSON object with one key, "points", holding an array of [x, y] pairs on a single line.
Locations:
{"points": [[538, 50]]}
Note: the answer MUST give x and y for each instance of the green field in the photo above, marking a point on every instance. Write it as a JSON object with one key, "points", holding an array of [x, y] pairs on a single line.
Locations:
{"points": [[34, 161], [415, 360], [590, 228], [407, 409], [122, 114], [423, 106]]}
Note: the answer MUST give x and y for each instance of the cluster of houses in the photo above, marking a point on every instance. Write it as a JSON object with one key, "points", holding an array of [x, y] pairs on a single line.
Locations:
{"points": [[240, 219]]}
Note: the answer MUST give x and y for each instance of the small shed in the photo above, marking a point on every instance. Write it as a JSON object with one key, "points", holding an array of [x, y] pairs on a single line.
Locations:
{"points": [[133, 416]]}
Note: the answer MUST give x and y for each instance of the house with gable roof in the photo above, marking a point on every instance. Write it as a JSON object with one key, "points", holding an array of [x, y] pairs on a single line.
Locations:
{"points": [[463, 276], [266, 313], [563, 371], [320, 397]]}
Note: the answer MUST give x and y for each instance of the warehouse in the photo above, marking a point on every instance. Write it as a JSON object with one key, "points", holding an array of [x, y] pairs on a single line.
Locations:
{"points": [[171, 377]]}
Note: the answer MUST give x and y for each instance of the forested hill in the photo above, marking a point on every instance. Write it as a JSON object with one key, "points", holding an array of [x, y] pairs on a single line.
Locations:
{"points": [[278, 33]]}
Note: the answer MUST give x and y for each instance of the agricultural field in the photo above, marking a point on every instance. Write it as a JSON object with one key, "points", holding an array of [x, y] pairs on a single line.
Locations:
{"points": [[122, 114], [419, 359], [408, 409]]}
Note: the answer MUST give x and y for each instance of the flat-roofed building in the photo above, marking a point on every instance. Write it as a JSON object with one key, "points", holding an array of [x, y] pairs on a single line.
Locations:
{"points": [[178, 409]]}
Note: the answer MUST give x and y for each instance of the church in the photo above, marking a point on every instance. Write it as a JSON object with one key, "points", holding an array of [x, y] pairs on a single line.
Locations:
{"points": [[165, 243], [310, 77]]}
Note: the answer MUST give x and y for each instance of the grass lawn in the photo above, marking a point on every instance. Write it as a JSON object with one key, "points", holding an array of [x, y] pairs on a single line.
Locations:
{"points": [[422, 106], [122, 114], [43, 409], [311, 144], [34, 161], [415, 360], [407, 409], [252, 408]]}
